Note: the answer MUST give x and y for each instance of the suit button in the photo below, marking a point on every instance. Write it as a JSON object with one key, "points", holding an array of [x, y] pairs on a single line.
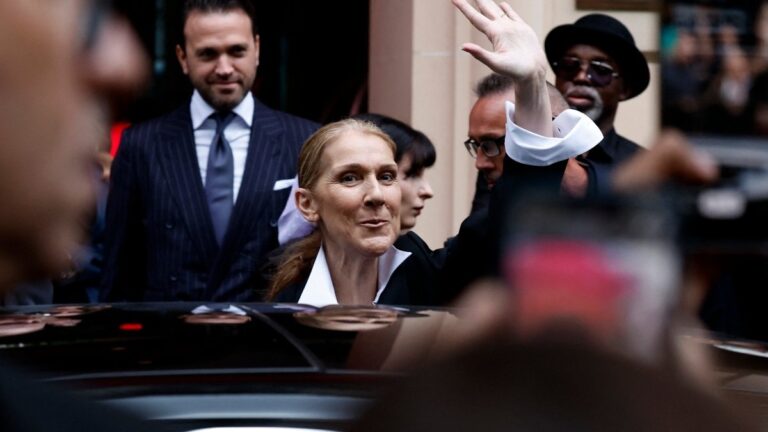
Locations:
{"points": [[169, 225], [173, 278]]}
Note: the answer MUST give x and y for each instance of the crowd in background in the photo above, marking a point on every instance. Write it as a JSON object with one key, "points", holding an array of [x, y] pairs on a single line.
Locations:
{"points": [[715, 68]]}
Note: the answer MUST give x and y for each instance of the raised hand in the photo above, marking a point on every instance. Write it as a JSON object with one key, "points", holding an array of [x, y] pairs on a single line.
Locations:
{"points": [[516, 48]]}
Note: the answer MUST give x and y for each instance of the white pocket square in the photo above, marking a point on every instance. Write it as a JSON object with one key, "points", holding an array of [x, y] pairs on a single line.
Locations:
{"points": [[284, 184]]}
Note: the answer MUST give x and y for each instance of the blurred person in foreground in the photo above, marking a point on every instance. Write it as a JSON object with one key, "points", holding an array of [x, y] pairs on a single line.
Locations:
{"points": [[51, 101], [546, 385], [64, 63], [81, 284]]}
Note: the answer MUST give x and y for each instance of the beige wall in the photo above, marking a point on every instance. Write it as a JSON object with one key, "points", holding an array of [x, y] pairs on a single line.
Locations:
{"points": [[419, 74]]}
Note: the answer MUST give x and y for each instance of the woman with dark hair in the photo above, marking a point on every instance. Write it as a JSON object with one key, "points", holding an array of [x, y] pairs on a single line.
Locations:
{"points": [[414, 154]]}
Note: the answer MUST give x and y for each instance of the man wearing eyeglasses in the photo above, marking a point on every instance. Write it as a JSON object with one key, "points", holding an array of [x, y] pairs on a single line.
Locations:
{"points": [[597, 65], [487, 127]]}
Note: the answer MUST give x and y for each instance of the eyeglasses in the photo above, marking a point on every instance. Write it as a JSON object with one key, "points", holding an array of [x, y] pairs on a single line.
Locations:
{"points": [[490, 147], [599, 73]]}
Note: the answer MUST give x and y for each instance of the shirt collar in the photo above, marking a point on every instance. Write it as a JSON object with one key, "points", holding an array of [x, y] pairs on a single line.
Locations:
{"points": [[319, 290], [200, 110]]}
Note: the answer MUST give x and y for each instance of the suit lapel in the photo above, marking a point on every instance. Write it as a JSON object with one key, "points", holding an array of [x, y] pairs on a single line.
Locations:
{"points": [[178, 159]]}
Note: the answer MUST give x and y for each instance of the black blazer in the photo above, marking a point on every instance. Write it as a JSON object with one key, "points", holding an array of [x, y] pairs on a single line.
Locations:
{"points": [[160, 242], [603, 159]]}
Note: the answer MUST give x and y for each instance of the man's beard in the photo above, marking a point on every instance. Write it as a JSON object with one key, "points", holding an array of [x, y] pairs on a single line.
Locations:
{"points": [[219, 103], [596, 110]]}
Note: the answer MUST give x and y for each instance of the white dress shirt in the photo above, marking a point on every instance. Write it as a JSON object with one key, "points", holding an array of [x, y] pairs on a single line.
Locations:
{"points": [[319, 290], [237, 132]]}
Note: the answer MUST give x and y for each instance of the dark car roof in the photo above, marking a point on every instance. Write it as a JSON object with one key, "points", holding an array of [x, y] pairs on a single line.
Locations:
{"points": [[158, 339]]}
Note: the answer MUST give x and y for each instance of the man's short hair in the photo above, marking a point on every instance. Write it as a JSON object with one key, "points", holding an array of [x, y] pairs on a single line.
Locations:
{"points": [[213, 6], [493, 84]]}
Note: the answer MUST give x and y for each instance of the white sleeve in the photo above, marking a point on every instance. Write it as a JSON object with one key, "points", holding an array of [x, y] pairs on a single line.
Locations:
{"points": [[291, 225], [574, 133]]}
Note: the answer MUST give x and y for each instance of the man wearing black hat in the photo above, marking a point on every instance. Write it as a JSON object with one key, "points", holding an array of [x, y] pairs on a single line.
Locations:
{"points": [[597, 65]]}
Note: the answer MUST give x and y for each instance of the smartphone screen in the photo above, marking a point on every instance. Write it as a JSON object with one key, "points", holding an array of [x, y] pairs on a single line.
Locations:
{"points": [[608, 266]]}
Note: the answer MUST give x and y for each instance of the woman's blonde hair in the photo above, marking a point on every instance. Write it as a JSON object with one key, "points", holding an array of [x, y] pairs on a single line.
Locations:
{"points": [[298, 257]]}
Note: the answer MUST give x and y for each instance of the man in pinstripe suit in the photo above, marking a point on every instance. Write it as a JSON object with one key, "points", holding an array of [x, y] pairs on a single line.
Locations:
{"points": [[166, 237]]}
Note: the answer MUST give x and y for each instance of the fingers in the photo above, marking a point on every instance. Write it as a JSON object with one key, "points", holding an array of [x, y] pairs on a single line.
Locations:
{"points": [[476, 18], [489, 8], [508, 11], [478, 52]]}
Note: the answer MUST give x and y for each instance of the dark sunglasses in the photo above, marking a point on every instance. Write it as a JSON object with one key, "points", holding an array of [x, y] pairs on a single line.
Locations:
{"points": [[600, 74], [490, 147]]}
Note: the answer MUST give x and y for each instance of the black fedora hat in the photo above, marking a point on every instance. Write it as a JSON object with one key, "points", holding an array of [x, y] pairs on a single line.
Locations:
{"points": [[608, 34]]}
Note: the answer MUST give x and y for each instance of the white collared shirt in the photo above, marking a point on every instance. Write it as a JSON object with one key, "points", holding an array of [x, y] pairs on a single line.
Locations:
{"points": [[238, 133], [319, 290]]}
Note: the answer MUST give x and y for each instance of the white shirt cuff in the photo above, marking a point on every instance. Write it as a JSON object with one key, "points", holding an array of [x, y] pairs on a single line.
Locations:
{"points": [[574, 133]]}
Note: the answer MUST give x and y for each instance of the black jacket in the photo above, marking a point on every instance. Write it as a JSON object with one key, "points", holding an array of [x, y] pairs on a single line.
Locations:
{"points": [[603, 159]]}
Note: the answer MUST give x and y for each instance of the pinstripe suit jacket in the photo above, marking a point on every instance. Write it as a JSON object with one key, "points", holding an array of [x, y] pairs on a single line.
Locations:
{"points": [[160, 243]]}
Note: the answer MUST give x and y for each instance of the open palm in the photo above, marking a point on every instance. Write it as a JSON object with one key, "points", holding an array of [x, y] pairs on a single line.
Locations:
{"points": [[516, 50]]}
